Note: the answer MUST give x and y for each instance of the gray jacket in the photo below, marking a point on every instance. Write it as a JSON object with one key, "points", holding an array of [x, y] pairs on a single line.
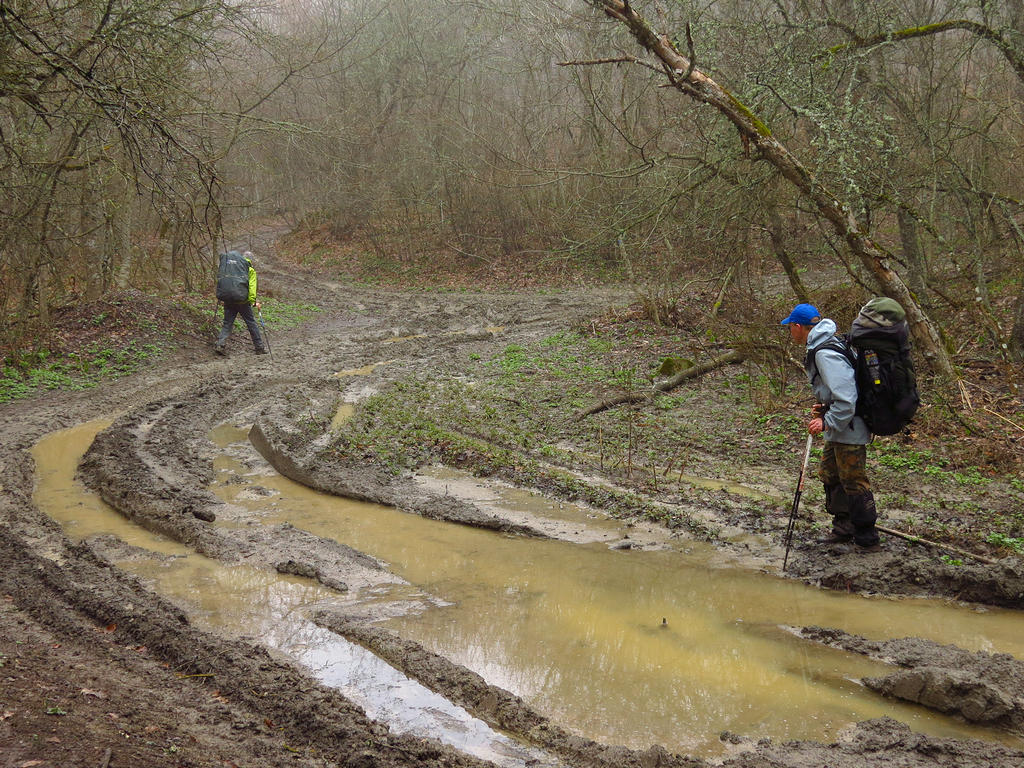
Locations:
{"points": [[832, 381]]}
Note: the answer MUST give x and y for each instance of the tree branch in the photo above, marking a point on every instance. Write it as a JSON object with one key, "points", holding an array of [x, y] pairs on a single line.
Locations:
{"points": [[663, 386]]}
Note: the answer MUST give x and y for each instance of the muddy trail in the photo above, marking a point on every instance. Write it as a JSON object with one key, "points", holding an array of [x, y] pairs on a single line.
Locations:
{"points": [[99, 670]]}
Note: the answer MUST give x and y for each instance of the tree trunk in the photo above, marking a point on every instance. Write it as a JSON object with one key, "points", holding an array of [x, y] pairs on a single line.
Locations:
{"points": [[691, 81], [913, 255], [117, 254], [775, 232], [1016, 341]]}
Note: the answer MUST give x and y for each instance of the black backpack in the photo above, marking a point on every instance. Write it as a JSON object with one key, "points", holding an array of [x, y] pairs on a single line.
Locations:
{"points": [[878, 348], [233, 278]]}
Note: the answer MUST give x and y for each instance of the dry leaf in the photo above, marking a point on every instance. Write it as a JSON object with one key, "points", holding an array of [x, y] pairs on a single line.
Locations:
{"points": [[97, 694]]}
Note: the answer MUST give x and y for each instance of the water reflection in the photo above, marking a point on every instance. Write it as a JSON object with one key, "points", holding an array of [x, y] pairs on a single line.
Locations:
{"points": [[267, 606], [577, 630]]}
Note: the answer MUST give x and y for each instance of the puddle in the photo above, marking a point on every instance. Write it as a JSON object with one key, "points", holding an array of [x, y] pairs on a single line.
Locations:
{"points": [[366, 370], [576, 630], [345, 412], [266, 606], [625, 647]]}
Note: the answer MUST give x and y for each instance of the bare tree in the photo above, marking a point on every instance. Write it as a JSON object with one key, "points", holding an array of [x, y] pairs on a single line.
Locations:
{"points": [[682, 74], [102, 97]]}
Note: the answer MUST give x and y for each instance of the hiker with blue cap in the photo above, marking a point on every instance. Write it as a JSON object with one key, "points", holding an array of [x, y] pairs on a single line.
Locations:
{"points": [[843, 468]]}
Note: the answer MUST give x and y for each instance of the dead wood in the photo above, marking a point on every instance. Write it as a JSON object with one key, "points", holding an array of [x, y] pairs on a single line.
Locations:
{"points": [[919, 540], [662, 386]]}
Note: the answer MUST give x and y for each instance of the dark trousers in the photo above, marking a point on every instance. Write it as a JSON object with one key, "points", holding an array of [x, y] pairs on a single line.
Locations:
{"points": [[231, 311]]}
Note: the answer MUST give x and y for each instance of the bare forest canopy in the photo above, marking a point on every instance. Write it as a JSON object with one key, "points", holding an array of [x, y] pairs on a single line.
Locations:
{"points": [[661, 140]]}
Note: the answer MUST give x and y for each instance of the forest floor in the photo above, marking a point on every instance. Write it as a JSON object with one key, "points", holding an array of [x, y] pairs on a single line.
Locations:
{"points": [[96, 670]]}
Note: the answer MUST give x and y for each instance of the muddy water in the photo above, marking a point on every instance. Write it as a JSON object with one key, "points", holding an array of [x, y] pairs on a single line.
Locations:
{"points": [[268, 607], [630, 647], [627, 647]]}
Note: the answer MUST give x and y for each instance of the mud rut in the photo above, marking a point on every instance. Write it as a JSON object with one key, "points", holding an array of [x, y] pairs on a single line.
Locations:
{"points": [[153, 465]]}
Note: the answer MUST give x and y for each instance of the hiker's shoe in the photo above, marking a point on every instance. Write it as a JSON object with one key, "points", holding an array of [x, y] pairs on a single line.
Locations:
{"points": [[219, 349], [262, 351], [835, 538]]}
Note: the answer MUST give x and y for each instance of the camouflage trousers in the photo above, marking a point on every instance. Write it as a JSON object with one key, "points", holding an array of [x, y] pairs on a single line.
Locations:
{"points": [[846, 465], [848, 496]]}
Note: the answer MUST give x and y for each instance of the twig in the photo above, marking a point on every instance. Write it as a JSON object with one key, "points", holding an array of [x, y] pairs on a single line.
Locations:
{"points": [[617, 60], [1008, 421], [919, 540], [965, 396], [717, 306], [469, 255], [672, 460]]}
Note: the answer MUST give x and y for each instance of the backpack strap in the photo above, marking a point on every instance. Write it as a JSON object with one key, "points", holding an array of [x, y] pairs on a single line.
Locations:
{"points": [[838, 342]]}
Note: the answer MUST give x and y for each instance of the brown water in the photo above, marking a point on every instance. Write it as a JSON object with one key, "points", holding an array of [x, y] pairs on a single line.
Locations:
{"points": [[577, 630], [268, 607]]}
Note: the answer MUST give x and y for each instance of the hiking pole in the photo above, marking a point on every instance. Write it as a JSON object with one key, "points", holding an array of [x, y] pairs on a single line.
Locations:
{"points": [[266, 338], [796, 500]]}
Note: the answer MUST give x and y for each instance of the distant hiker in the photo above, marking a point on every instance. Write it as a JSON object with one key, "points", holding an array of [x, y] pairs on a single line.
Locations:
{"points": [[236, 287], [843, 468]]}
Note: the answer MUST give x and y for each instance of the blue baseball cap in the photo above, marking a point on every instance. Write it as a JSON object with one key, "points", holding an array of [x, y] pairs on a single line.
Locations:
{"points": [[803, 314]]}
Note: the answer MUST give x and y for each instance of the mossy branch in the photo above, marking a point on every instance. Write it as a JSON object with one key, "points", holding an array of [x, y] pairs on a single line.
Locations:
{"points": [[983, 31]]}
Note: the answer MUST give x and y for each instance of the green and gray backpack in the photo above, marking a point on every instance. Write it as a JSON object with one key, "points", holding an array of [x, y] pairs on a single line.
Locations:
{"points": [[878, 348]]}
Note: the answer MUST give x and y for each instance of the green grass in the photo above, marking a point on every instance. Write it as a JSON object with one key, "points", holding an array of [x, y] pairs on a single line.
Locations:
{"points": [[73, 372], [140, 341], [281, 315], [1009, 542]]}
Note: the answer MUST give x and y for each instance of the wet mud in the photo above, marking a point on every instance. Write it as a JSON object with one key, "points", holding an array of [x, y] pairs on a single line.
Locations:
{"points": [[979, 687], [221, 701]]}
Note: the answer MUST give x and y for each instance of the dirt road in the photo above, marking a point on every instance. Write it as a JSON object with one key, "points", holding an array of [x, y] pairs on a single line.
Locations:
{"points": [[98, 671]]}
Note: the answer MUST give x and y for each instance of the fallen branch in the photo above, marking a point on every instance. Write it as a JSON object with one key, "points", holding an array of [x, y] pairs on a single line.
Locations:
{"points": [[663, 386], [1000, 416], [919, 540]]}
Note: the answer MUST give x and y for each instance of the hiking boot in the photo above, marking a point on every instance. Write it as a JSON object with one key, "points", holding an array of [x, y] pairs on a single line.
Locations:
{"points": [[262, 351], [866, 548], [834, 538], [219, 349], [863, 515]]}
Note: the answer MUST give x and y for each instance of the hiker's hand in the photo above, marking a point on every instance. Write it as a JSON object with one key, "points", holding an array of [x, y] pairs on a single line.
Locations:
{"points": [[816, 427], [258, 305]]}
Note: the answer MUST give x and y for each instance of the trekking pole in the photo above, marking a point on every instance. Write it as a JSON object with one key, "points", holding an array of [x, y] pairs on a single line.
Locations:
{"points": [[796, 500], [266, 338]]}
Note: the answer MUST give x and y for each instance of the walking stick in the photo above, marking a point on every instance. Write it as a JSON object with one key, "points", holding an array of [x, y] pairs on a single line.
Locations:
{"points": [[266, 338], [796, 500]]}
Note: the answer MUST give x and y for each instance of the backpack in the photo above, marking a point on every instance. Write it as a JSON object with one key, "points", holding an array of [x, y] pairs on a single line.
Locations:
{"points": [[233, 278], [878, 348]]}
